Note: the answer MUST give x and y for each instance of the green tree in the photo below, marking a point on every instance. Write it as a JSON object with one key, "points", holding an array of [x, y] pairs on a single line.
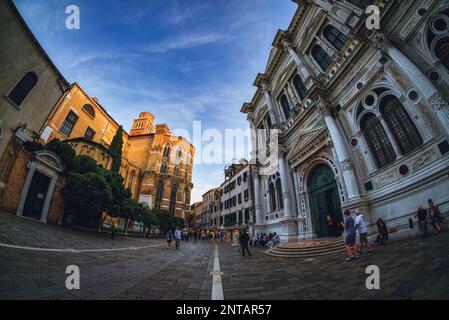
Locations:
{"points": [[180, 222], [148, 218], [120, 194], [116, 149], [85, 195], [85, 164], [166, 220], [64, 151]]}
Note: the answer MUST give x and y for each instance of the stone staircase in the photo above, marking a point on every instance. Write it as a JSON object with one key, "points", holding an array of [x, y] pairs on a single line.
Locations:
{"points": [[307, 248]]}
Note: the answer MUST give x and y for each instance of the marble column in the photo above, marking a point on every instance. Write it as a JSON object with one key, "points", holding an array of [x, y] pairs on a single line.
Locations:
{"points": [[434, 98], [342, 152], [297, 192], [367, 155], [257, 200], [269, 100], [253, 137], [286, 197], [298, 61]]}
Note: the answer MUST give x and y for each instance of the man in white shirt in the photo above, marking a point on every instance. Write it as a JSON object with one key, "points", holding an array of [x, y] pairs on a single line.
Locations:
{"points": [[178, 236], [360, 225]]}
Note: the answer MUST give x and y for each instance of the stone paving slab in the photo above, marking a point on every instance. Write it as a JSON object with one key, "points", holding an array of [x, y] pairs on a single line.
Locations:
{"points": [[411, 269]]}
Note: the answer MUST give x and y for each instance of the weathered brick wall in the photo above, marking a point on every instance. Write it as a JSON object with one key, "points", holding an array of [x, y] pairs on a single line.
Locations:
{"points": [[15, 182]]}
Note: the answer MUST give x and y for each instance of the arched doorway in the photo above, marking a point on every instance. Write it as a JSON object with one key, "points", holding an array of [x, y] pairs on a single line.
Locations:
{"points": [[324, 199], [37, 192]]}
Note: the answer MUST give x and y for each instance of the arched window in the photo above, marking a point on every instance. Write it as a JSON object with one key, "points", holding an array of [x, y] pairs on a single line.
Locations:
{"points": [[362, 4], [89, 109], [299, 86], [165, 158], [279, 193], [159, 194], [400, 124], [23, 88], [167, 150], [272, 196], [321, 57], [442, 51], [335, 37], [178, 158], [176, 171], [164, 167], [377, 140], [173, 196], [285, 106]]}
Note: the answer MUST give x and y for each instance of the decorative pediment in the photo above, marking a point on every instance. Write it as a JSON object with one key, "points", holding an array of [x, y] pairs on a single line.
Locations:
{"points": [[49, 159], [308, 141]]}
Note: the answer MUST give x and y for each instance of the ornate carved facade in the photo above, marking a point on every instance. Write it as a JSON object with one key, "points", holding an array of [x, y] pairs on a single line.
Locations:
{"points": [[363, 114]]}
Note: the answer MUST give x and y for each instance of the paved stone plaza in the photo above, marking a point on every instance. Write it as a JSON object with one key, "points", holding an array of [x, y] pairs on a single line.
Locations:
{"points": [[137, 268]]}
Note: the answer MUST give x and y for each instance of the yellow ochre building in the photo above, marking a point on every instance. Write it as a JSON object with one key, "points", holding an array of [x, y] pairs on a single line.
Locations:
{"points": [[156, 164]]}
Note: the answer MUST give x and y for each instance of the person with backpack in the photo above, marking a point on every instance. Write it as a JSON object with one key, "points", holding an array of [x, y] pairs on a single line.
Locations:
{"points": [[350, 242], [361, 227]]}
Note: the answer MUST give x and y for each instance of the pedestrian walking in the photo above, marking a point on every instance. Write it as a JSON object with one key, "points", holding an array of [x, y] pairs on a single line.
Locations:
{"points": [[360, 226], [351, 245], [169, 238], [178, 236], [244, 242]]}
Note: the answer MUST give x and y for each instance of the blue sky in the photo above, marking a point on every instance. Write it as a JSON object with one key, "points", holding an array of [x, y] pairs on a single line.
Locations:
{"points": [[185, 61]]}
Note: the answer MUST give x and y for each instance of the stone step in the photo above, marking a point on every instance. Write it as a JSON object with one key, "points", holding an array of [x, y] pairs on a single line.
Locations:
{"points": [[317, 251], [310, 248], [304, 254], [307, 249]]}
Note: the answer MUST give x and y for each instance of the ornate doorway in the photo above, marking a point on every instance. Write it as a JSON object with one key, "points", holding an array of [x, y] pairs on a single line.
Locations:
{"points": [[324, 200], [37, 193]]}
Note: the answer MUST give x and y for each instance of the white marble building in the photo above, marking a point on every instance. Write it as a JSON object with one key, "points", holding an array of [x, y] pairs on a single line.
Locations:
{"points": [[363, 115]]}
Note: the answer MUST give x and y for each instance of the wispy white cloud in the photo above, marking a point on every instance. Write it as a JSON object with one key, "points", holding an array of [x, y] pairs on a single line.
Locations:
{"points": [[178, 14], [187, 41]]}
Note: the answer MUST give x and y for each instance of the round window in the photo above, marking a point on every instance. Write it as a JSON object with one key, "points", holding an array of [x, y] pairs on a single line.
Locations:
{"points": [[359, 85], [403, 170], [354, 142], [434, 75], [422, 12], [413, 95], [440, 24]]}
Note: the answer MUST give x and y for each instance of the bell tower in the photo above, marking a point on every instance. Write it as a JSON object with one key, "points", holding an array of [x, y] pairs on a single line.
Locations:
{"points": [[143, 124]]}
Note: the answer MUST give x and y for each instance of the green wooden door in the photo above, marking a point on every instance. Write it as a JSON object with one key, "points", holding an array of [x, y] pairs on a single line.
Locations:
{"points": [[324, 198]]}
